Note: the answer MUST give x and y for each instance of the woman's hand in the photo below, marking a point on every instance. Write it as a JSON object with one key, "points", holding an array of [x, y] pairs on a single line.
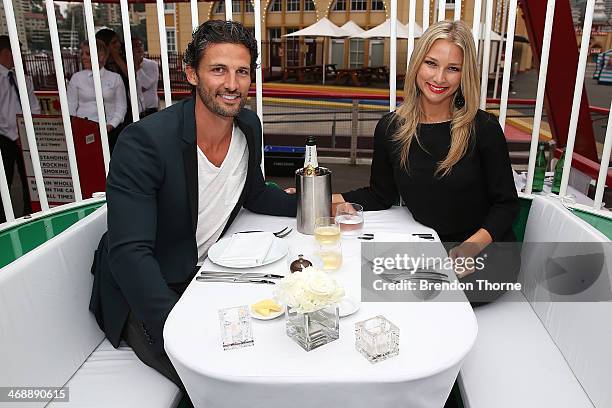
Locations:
{"points": [[336, 199], [463, 255]]}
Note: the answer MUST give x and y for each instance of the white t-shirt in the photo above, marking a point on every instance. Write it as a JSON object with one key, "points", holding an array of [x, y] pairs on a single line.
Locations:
{"points": [[219, 189]]}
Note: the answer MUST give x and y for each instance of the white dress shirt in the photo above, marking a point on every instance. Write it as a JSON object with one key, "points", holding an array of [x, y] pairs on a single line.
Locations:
{"points": [[146, 79], [10, 105], [82, 96], [219, 189]]}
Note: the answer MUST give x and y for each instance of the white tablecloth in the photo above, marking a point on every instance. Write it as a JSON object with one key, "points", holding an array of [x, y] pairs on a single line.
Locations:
{"points": [[434, 339]]}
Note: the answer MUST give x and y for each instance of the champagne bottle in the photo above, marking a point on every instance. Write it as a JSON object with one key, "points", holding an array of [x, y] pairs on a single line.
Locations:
{"points": [[540, 168], [556, 186], [310, 158]]}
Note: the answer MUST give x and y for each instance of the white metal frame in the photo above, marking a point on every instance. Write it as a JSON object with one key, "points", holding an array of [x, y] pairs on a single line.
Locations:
{"points": [[441, 12]]}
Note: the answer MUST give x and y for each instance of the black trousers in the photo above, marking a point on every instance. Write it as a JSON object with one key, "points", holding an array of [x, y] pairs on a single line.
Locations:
{"points": [[11, 155], [136, 337]]}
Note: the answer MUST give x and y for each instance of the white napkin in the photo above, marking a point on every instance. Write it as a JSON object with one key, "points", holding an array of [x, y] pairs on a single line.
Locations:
{"points": [[248, 249]]}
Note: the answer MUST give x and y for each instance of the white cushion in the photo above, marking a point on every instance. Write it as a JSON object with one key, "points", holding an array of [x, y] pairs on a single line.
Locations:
{"points": [[515, 363], [46, 328], [116, 378]]}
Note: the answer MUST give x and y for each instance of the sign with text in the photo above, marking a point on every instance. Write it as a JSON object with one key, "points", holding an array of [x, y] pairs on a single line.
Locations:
{"points": [[54, 160]]}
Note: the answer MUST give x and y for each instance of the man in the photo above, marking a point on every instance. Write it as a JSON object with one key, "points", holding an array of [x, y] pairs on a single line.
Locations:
{"points": [[177, 180], [147, 76], [10, 106]]}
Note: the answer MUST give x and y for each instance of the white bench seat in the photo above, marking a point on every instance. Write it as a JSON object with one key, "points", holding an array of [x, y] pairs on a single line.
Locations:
{"points": [[48, 336], [116, 378], [515, 363], [542, 347]]}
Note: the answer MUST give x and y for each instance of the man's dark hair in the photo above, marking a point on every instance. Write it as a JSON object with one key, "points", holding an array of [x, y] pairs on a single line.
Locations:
{"points": [[5, 42], [219, 32]]}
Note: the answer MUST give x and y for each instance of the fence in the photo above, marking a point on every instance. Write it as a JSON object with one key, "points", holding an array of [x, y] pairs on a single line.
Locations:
{"points": [[172, 77]]}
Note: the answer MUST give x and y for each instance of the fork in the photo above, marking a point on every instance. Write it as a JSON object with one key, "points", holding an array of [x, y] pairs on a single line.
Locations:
{"points": [[279, 234]]}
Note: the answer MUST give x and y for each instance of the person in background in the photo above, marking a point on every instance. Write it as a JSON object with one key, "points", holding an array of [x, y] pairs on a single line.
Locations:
{"points": [[82, 97], [147, 77], [446, 159], [10, 106], [116, 62]]}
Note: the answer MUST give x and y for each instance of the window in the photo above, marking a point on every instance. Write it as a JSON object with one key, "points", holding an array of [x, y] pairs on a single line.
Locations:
{"points": [[339, 5], [309, 5], [169, 8], [248, 6], [276, 6], [359, 5], [293, 5], [171, 39], [378, 5], [356, 53], [293, 48], [219, 7]]}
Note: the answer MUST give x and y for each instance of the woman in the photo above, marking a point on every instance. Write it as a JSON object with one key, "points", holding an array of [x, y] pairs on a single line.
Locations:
{"points": [[447, 159], [116, 62], [82, 97]]}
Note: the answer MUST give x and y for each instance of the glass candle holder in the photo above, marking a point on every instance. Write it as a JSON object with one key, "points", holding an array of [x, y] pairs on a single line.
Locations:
{"points": [[377, 339], [236, 330], [313, 329]]}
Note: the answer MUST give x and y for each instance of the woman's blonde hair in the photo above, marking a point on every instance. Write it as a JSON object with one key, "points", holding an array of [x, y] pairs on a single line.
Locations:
{"points": [[410, 113]]}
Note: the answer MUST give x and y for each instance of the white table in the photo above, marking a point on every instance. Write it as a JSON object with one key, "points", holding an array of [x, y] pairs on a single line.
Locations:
{"points": [[435, 337]]}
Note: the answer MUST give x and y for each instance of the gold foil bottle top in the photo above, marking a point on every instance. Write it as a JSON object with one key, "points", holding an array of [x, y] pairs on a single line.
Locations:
{"points": [[310, 170], [299, 264]]}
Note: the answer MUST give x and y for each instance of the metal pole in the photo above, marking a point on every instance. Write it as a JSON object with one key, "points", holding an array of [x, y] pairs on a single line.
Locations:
{"points": [[228, 10], [259, 76], [484, 79], [61, 88], [571, 134], [537, 118], [95, 68], [195, 20], [441, 9], [503, 109], [392, 57], [129, 56], [605, 162], [163, 46], [500, 47], [25, 103], [457, 10], [476, 24], [354, 130], [411, 24], [5, 193]]}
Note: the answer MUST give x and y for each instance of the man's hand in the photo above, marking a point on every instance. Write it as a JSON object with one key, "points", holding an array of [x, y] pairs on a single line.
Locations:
{"points": [[290, 190], [109, 128]]}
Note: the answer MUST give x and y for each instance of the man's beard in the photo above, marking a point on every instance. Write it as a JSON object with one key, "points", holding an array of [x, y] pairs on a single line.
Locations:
{"points": [[211, 103]]}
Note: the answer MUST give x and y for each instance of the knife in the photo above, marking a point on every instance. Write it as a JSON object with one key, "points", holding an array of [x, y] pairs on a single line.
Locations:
{"points": [[233, 280], [238, 274]]}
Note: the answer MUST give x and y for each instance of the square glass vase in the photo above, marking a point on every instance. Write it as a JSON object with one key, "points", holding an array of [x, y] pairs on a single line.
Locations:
{"points": [[377, 339], [313, 329]]}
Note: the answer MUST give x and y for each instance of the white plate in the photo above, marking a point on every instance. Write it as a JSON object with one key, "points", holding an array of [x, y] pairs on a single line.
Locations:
{"points": [[278, 250], [271, 316], [347, 307]]}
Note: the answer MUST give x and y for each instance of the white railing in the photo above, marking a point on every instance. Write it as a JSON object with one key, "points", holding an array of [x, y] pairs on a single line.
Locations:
{"points": [[509, 27]]}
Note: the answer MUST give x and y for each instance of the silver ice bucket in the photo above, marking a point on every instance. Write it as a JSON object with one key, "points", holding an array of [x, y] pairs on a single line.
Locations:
{"points": [[314, 198]]}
